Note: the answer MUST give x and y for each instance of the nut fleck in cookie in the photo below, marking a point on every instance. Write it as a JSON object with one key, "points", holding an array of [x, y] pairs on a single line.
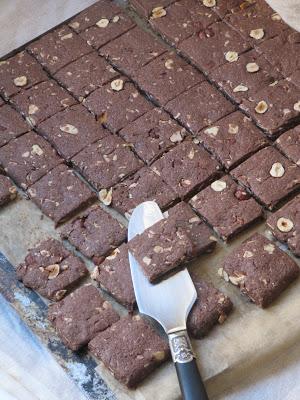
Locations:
{"points": [[170, 76], [227, 207], [85, 75], [186, 168], [12, 124], [149, 8], [161, 248], [211, 307], [289, 144], [106, 162], [117, 104], [130, 349], [51, 270], [19, 72], [269, 176], [8, 191], [81, 315], [200, 106], [71, 130], [94, 233], [42, 101], [144, 185], [60, 194], [114, 276], [152, 134], [232, 139], [285, 225], [28, 158], [260, 269], [133, 50], [58, 48]]}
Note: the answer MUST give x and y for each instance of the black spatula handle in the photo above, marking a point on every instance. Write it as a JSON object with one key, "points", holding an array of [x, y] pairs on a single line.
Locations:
{"points": [[189, 378]]}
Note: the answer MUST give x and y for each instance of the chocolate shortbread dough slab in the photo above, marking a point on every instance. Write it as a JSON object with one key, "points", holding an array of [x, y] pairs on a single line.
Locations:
{"points": [[285, 225], [117, 104], [227, 207], [28, 158], [60, 194], [269, 175], [133, 50], [232, 139], [42, 101], [58, 48], [95, 233], [106, 162], [161, 248], [8, 191], [131, 349], [51, 270], [186, 168], [12, 124], [114, 276], [71, 130], [85, 75], [152, 134], [289, 144], [18, 73], [260, 269], [81, 315], [144, 185]]}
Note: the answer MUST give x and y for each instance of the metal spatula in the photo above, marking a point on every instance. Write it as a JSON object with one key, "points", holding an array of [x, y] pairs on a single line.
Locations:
{"points": [[168, 302]]}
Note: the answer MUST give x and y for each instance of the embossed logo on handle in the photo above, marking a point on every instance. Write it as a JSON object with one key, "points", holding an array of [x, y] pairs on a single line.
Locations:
{"points": [[181, 348]]}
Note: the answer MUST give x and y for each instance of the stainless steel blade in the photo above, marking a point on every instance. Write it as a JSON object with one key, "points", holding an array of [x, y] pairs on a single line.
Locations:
{"points": [[169, 301]]}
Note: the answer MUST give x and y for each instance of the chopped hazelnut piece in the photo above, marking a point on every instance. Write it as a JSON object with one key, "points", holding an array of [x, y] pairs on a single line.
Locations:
{"points": [[105, 196], [158, 12], [277, 170], [102, 23], [285, 224], [231, 56], [209, 3], [117, 85], [68, 128], [20, 81], [218, 186], [240, 88], [261, 107], [252, 67], [257, 33], [297, 106], [53, 270]]}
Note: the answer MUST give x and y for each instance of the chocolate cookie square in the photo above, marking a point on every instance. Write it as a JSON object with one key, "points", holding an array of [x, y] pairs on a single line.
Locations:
{"points": [[246, 76], [144, 185], [85, 75], [289, 144], [198, 232], [58, 48], [51, 270], [71, 130], [109, 22], [106, 162], [285, 225], [186, 168], [214, 46], [117, 104], [212, 307], [19, 72], [269, 176], [42, 101], [8, 191], [260, 269], [130, 349], [287, 60], [60, 194], [199, 106], [80, 316], [170, 76], [275, 107], [146, 8], [12, 124], [227, 207], [257, 23], [132, 50], [232, 139], [161, 248], [114, 276], [182, 19], [102, 9], [152, 134], [95, 233], [28, 158]]}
